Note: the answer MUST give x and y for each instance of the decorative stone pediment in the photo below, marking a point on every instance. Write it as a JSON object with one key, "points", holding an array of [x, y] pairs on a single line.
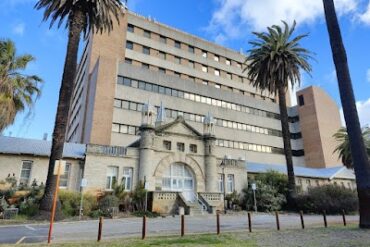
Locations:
{"points": [[178, 127]]}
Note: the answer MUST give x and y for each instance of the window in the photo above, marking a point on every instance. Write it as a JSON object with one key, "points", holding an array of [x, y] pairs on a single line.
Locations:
{"points": [[162, 55], [115, 128], [178, 60], [177, 44], [63, 180], [216, 58], [162, 39], [178, 177], [192, 78], [317, 183], [204, 54], [177, 74], [230, 183], [146, 50], [180, 146], [204, 68], [128, 60], [25, 172], [300, 100], [221, 183], [228, 76], [308, 182], [191, 49], [191, 64], [127, 178], [217, 86], [112, 174], [167, 145], [147, 34], [129, 45], [228, 62], [162, 70], [145, 66], [205, 82], [193, 148], [239, 65], [130, 28], [217, 72]]}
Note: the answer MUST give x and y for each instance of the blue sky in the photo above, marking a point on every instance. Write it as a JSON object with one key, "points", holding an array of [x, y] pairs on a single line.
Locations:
{"points": [[227, 22]]}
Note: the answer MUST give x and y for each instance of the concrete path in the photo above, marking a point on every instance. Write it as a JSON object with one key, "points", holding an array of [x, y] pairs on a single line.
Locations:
{"points": [[131, 227]]}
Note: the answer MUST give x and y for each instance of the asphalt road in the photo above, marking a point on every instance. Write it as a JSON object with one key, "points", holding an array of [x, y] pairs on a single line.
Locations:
{"points": [[132, 227]]}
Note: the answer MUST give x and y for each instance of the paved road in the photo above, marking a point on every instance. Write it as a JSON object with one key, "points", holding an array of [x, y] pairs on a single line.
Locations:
{"points": [[118, 228]]}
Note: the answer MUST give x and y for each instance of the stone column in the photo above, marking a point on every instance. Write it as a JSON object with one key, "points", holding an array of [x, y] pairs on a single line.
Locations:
{"points": [[146, 153], [210, 162]]}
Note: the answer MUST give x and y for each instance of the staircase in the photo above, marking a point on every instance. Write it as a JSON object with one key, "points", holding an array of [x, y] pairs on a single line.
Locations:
{"points": [[193, 203]]}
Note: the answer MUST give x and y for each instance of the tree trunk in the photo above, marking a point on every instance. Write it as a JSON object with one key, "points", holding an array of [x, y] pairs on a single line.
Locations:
{"points": [[358, 151], [65, 94], [287, 147]]}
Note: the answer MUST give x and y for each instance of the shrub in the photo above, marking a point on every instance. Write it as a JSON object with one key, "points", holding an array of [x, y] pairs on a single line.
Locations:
{"points": [[138, 197], [71, 200], [275, 179], [107, 203], [147, 213], [268, 198], [29, 208], [331, 198]]}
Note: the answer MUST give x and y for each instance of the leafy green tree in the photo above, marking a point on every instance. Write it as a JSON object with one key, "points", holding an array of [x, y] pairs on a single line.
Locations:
{"points": [[344, 149], [361, 162], [275, 179], [18, 90], [275, 61], [80, 17]]}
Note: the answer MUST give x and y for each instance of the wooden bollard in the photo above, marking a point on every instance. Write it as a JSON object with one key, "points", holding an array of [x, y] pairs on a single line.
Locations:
{"points": [[218, 223], [277, 220], [344, 217], [100, 228], [182, 225], [143, 234], [324, 215], [302, 219], [249, 222]]}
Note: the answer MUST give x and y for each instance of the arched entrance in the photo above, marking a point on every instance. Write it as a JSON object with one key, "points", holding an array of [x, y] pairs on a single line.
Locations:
{"points": [[180, 178]]}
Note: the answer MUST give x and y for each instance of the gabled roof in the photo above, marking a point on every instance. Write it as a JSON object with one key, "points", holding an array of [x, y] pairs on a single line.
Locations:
{"points": [[177, 121], [14, 145], [326, 173]]}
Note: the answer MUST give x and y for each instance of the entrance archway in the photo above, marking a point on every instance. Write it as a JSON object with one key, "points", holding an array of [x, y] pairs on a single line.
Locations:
{"points": [[178, 177]]}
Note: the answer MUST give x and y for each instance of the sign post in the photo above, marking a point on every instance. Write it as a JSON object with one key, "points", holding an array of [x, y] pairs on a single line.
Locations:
{"points": [[59, 168], [254, 188], [83, 185]]}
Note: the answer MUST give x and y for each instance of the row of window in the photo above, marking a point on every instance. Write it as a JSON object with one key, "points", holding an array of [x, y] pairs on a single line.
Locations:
{"points": [[129, 105], [179, 60], [309, 183], [230, 183], [167, 145], [112, 178], [205, 54], [125, 129], [194, 97], [26, 172]]}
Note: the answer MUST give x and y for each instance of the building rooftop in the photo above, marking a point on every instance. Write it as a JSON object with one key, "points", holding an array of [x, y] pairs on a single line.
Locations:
{"points": [[326, 173], [14, 145]]}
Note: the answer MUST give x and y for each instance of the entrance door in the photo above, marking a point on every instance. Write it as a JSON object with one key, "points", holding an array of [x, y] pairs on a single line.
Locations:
{"points": [[179, 177]]}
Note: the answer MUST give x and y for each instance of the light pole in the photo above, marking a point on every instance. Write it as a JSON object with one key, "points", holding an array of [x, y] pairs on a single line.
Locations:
{"points": [[222, 165], [254, 187]]}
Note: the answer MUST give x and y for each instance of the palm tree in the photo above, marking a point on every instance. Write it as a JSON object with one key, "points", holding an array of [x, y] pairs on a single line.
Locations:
{"points": [[18, 91], [344, 149], [360, 160], [80, 16], [274, 61]]}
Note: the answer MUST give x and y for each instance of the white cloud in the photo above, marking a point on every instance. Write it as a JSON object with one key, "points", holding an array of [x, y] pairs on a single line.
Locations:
{"points": [[234, 16], [365, 17], [363, 109], [19, 29]]}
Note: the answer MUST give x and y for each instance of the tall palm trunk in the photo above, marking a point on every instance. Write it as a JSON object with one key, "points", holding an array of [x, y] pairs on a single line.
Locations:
{"points": [[287, 146], [360, 159], [65, 94]]}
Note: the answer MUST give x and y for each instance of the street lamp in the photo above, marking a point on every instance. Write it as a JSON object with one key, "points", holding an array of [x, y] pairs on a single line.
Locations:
{"points": [[223, 165]]}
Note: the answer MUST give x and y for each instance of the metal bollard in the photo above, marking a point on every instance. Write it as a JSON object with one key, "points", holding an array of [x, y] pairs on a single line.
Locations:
{"points": [[324, 215], [143, 235], [302, 220], [344, 217], [249, 222], [100, 228], [277, 220], [218, 223], [182, 225]]}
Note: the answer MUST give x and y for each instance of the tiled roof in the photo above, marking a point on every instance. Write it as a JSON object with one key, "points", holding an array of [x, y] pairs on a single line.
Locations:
{"points": [[327, 173], [13, 145]]}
